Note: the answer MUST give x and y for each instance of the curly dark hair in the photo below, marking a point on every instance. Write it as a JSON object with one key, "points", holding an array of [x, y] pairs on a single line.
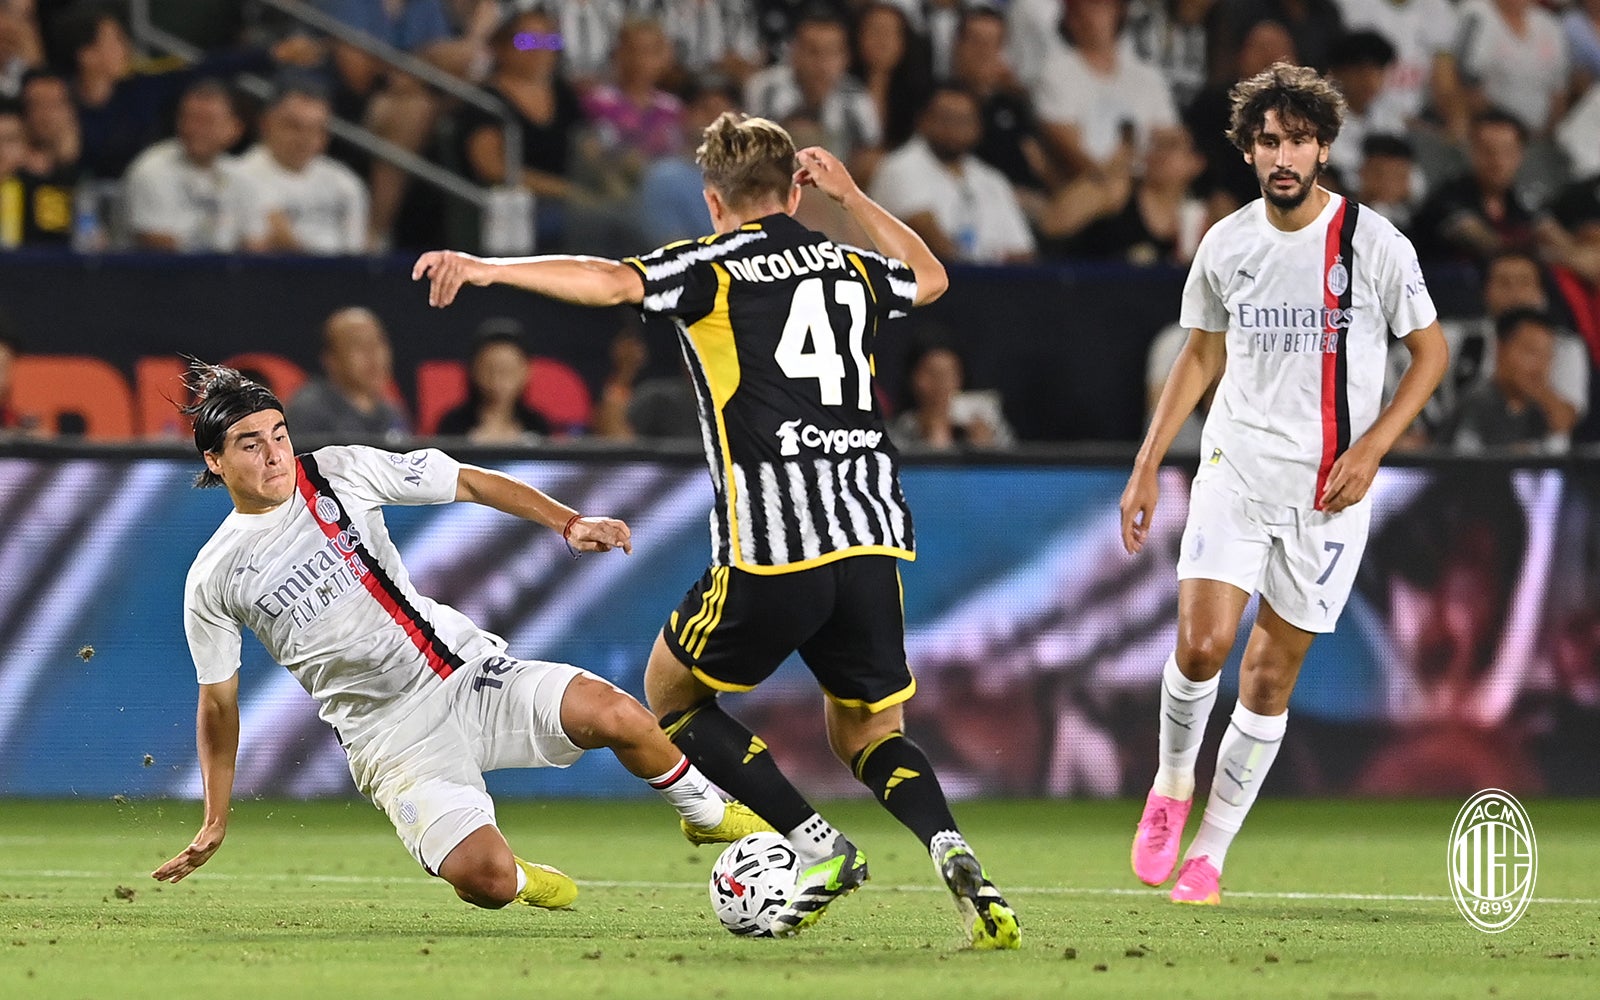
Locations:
{"points": [[1301, 97], [222, 398]]}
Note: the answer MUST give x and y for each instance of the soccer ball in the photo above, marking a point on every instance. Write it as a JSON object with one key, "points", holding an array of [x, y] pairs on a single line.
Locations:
{"points": [[751, 881]]}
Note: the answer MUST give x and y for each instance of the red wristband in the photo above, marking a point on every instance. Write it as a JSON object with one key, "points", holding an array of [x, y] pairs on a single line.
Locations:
{"points": [[566, 534]]}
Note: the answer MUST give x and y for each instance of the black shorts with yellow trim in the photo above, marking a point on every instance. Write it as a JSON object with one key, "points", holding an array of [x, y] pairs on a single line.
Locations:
{"points": [[846, 619]]}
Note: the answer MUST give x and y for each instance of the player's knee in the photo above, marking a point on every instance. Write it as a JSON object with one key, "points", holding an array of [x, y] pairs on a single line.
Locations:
{"points": [[1202, 651], [489, 881], [619, 720]]}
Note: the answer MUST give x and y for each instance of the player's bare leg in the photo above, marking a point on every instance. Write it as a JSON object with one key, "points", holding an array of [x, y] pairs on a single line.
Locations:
{"points": [[485, 873], [874, 746], [738, 761], [597, 714], [1267, 676], [1208, 619]]}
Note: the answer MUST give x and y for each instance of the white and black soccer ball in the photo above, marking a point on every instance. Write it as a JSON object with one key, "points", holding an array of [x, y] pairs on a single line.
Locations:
{"points": [[751, 881]]}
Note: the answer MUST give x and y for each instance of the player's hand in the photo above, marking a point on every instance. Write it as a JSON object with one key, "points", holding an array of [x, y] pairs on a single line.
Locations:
{"points": [[196, 854], [822, 170], [1138, 507], [448, 270], [1350, 478], [600, 534]]}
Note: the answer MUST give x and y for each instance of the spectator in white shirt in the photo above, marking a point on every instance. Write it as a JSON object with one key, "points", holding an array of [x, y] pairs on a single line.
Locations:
{"points": [[1095, 93], [1424, 73], [1513, 55], [815, 83], [297, 199], [1358, 64], [963, 208], [184, 193]]}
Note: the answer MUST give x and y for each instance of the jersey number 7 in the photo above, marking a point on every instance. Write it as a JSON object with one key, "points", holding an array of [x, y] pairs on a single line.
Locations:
{"points": [[809, 348]]}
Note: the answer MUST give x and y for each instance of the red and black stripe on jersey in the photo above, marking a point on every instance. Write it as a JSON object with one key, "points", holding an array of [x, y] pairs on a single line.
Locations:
{"points": [[310, 481], [1339, 252]]}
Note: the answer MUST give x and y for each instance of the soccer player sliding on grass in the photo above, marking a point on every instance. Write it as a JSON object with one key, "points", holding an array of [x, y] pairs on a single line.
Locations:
{"points": [[776, 323], [422, 700], [1291, 300]]}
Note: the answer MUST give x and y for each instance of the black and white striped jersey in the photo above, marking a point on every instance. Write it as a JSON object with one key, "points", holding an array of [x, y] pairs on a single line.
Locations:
{"points": [[777, 325]]}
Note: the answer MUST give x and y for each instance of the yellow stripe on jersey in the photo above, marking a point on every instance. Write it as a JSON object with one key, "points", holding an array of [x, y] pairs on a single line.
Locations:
{"points": [[714, 346], [861, 269]]}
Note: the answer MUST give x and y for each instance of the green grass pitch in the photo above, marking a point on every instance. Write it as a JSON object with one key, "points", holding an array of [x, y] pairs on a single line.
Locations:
{"points": [[1322, 899]]}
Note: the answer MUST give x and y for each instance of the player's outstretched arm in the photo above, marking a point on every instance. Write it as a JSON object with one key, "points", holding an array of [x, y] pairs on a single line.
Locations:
{"points": [[1197, 367], [584, 281], [216, 737], [1353, 472], [822, 170], [517, 498]]}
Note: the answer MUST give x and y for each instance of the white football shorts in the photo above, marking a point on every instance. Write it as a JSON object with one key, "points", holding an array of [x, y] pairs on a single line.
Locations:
{"points": [[1302, 560], [426, 771]]}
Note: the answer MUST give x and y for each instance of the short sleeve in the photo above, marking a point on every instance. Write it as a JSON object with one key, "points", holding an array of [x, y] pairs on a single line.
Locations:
{"points": [[214, 635], [1202, 307], [892, 285], [678, 278], [1407, 306], [413, 479]]}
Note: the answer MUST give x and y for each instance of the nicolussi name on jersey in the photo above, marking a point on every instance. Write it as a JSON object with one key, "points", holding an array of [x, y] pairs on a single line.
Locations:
{"points": [[787, 263]]}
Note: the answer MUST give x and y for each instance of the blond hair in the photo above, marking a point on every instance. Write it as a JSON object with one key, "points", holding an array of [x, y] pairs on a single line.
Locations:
{"points": [[747, 159]]}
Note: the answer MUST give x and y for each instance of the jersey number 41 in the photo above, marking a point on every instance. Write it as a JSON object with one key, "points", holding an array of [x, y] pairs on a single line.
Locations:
{"points": [[809, 347]]}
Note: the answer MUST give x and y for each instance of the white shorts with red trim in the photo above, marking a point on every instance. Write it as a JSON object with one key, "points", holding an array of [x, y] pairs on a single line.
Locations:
{"points": [[426, 770], [1303, 561]]}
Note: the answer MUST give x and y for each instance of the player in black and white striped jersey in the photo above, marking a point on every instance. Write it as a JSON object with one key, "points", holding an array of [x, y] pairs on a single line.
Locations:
{"points": [[777, 324]]}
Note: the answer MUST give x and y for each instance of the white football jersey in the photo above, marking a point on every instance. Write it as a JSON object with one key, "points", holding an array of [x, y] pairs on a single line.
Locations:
{"points": [[1307, 316], [320, 583]]}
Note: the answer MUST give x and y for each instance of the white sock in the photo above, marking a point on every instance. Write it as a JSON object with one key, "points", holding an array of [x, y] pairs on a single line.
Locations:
{"points": [[1248, 749], [1185, 708], [943, 843], [812, 840], [522, 878], [690, 793]]}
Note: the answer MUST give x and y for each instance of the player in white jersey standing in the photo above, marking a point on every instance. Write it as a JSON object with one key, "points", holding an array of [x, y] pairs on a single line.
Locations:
{"points": [[422, 700], [1292, 299]]}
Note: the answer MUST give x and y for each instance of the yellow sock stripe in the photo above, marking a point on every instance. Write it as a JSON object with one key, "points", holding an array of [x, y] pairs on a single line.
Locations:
{"points": [[716, 615], [681, 721], [705, 608], [861, 758]]}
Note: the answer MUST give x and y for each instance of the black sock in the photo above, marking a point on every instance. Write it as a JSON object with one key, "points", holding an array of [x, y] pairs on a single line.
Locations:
{"points": [[738, 761], [900, 776]]}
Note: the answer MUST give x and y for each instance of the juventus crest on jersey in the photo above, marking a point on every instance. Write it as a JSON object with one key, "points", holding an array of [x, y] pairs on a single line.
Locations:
{"points": [[777, 325]]}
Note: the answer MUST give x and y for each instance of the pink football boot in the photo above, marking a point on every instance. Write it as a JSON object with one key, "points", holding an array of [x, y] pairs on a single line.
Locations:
{"points": [[1155, 843], [1199, 883]]}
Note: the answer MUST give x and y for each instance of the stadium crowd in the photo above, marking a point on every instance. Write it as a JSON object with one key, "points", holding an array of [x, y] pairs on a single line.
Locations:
{"points": [[1006, 132]]}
